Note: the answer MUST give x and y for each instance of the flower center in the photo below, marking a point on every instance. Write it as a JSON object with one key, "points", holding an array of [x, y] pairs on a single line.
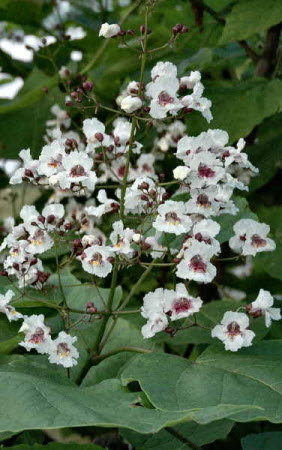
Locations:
{"points": [[197, 264], [96, 259], [257, 241], [203, 201], [37, 238], [54, 163], [233, 329], [165, 98], [63, 350], [172, 218], [181, 305], [200, 238], [38, 336], [77, 171], [205, 172]]}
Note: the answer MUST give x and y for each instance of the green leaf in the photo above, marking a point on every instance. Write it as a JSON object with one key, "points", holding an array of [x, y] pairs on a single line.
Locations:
{"points": [[56, 446], [217, 377], [262, 441], [24, 12], [271, 261], [250, 17], [197, 434], [266, 153], [49, 401], [9, 335], [227, 221], [110, 367]]}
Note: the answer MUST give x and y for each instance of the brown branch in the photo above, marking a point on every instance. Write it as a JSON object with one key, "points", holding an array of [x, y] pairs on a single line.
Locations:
{"points": [[249, 51], [268, 58]]}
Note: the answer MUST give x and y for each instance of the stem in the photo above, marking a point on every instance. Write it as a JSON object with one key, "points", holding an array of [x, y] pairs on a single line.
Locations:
{"points": [[126, 169], [106, 42], [134, 289]]}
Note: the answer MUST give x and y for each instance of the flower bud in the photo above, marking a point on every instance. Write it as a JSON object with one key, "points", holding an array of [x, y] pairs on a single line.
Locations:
{"points": [[99, 137], [41, 219], [88, 86], [131, 32], [91, 308], [4, 273], [143, 186]]}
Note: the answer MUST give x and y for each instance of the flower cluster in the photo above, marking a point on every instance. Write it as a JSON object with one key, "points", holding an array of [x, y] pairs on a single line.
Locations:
{"points": [[37, 335], [234, 331], [163, 305], [164, 95], [181, 233]]}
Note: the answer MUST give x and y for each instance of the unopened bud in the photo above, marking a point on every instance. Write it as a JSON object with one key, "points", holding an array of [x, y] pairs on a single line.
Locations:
{"points": [[99, 137], [143, 186], [91, 308], [41, 219], [131, 32], [88, 86], [177, 29]]}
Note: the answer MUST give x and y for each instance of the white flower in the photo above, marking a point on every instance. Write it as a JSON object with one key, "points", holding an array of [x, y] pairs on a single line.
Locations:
{"points": [[197, 102], [206, 170], [164, 97], [29, 169], [251, 238], [38, 241], [121, 239], [50, 159], [53, 214], [181, 172], [7, 309], [203, 202], [180, 303], [37, 335], [236, 155], [77, 170], [95, 260], [94, 131], [189, 81], [172, 218], [108, 31], [196, 263], [205, 231], [130, 104], [164, 69], [62, 118], [107, 205], [153, 309], [121, 131], [233, 331], [145, 166], [62, 351], [262, 306], [157, 323]]}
